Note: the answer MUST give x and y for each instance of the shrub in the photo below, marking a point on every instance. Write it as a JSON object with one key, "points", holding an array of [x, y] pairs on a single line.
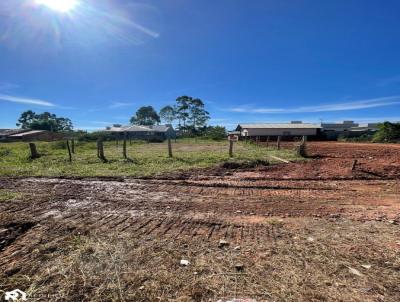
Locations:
{"points": [[155, 139], [215, 133], [362, 138], [94, 136], [388, 132]]}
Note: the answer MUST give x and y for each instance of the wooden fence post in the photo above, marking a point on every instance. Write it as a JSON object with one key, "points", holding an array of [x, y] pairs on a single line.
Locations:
{"points": [[301, 148], [124, 147], [100, 151], [69, 151], [34, 153], [278, 142], [73, 146], [353, 165], [169, 147], [267, 141], [230, 148]]}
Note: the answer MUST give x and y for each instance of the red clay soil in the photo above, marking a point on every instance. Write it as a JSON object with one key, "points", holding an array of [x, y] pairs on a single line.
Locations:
{"points": [[332, 160]]}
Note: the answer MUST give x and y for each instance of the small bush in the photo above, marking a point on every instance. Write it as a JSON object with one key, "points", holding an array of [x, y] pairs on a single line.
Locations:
{"points": [[215, 133], [362, 138], [92, 137], [388, 132], [155, 140]]}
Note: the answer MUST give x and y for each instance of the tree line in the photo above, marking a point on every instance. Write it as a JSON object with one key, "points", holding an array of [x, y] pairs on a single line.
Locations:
{"points": [[190, 115], [44, 121], [189, 112]]}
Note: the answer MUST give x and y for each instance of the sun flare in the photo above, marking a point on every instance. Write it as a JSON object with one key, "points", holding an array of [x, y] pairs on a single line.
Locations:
{"points": [[62, 6]]}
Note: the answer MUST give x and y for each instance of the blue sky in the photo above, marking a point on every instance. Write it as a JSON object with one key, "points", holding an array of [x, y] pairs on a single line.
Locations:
{"points": [[250, 61]]}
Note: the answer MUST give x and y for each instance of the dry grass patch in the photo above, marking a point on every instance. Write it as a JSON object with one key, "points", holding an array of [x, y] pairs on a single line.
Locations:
{"points": [[313, 263]]}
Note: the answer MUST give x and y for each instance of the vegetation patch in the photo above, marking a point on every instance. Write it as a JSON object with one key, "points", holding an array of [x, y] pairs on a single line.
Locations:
{"points": [[6, 195], [147, 159], [388, 132]]}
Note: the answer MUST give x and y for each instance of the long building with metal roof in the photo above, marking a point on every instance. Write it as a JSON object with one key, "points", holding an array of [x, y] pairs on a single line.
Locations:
{"points": [[280, 129]]}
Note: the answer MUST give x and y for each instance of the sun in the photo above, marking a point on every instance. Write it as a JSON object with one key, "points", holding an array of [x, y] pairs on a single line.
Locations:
{"points": [[62, 6]]}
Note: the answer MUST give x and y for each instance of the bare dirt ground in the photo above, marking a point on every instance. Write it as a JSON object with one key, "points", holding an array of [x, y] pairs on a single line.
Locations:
{"points": [[309, 231]]}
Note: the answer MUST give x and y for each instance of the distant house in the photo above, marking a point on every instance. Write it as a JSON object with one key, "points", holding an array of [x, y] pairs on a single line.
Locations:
{"points": [[293, 129], [347, 129], [28, 135], [155, 132], [5, 133]]}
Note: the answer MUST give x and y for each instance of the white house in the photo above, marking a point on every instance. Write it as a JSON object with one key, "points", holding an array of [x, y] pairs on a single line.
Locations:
{"points": [[153, 132]]}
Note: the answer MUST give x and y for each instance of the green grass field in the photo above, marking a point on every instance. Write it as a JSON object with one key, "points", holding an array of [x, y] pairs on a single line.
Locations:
{"points": [[148, 159]]}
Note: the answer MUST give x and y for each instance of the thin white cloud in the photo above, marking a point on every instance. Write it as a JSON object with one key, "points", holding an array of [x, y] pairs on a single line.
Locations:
{"points": [[115, 105], [24, 100], [354, 105]]}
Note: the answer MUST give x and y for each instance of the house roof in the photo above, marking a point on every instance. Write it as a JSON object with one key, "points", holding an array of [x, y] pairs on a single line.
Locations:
{"points": [[27, 133], [280, 126], [160, 128], [137, 128], [128, 128], [8, 132]]}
